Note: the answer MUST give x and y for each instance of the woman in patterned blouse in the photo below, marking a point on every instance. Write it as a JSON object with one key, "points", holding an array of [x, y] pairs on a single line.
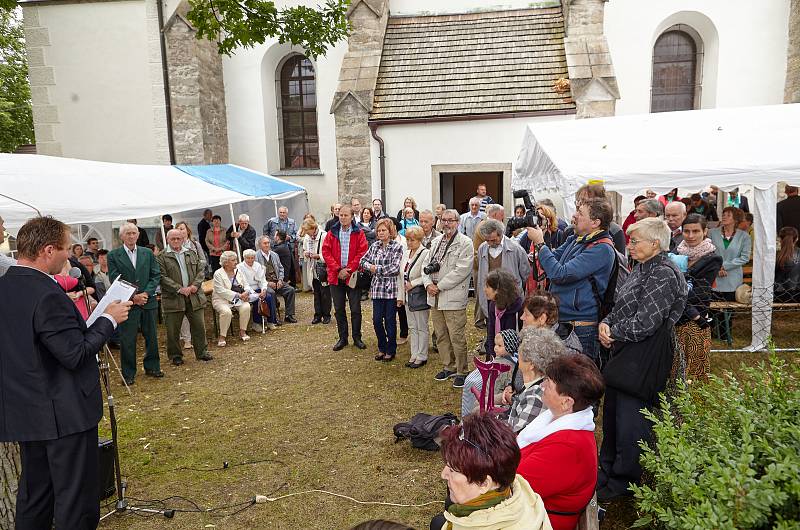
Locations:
{"points": [[383, 261]]}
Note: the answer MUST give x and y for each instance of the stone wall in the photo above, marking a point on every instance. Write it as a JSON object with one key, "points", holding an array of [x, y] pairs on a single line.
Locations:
{"points": [[354, 95], [197, 94], [792, 90], [591, 70]]}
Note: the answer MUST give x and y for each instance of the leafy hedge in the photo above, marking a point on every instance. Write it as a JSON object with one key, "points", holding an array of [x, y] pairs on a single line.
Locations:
{"points": [[726, 453]]}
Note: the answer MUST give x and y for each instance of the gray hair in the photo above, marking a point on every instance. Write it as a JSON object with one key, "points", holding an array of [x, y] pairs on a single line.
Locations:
{"points": [[227, 256], [262, 238], [540, 347], [244, 217], [652, 229], [426, 212], [452, 212], [677, 204], [494, 207], [474, 200], [653, 206], [173, 230], [249, 253], [127, 227], [489, 227]]}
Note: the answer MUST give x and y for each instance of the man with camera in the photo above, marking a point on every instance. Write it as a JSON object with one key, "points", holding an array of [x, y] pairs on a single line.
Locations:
{"points": [[498, 213], [446, 277], [586, 257]]}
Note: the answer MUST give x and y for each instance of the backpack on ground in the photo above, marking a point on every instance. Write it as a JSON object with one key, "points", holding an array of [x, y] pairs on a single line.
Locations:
{"points": [[619, 273], [423, 430]]}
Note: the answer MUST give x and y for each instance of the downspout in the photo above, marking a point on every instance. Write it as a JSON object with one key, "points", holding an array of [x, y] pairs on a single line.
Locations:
{"points": [[373, 127], [165, 74]]}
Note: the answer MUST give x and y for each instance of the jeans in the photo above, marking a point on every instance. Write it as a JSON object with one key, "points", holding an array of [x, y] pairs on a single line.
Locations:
{"points": [[384, 311], [338, 294], [589, 342]]}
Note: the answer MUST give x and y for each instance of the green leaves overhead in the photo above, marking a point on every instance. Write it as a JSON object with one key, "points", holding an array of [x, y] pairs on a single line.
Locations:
{"points": [[246, 23], [16, 120]]}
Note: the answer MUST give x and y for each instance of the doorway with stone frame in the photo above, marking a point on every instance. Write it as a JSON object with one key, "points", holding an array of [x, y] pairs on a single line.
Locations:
{"points": [[455, 184]]}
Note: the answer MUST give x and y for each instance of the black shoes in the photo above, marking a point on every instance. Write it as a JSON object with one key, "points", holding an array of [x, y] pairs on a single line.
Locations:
{"points": [[290, 320], [128, 382], [177, 361], [417, 364], [358, 343], [206, 357], [326, 320], [444, 375], [458, 382], [340, 345], [154, 373], [316, 320]]}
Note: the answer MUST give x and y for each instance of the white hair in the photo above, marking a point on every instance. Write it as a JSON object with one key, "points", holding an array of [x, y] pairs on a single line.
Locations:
{"points": [[675, 204], [244, 217], [474, 200], [227, 256], [127, 227], [492, 208], [249, 253], [652, 229], [262, 238]]}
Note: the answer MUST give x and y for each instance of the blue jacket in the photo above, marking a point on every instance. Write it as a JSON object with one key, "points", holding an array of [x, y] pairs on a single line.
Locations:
{"points": [[569, 267]]}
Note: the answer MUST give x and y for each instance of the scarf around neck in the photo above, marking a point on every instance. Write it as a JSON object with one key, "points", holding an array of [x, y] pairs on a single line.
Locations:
{"points": [[544, 425], [705, 248], [481, 502]]}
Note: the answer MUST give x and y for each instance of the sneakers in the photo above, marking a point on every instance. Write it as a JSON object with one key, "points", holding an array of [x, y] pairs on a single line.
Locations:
{"points": [[444, 375], [458, 382]]}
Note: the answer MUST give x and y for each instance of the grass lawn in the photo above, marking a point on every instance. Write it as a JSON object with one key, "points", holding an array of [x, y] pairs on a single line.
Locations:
{"points": [[288, 414]]}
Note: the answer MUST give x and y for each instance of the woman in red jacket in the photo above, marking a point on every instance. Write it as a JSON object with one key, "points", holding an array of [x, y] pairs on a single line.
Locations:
{"points": [[559, 452]]}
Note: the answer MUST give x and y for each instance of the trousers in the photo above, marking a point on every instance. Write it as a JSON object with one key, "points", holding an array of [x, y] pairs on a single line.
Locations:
{"points": [[449, 325], [197, 331], [338, 294], [144, 320]]}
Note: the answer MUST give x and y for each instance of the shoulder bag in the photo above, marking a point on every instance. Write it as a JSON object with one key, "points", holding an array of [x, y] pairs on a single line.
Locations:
{"points": [[417, 297]]}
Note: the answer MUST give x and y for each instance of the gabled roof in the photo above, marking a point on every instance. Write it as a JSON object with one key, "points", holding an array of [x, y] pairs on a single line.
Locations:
{"points": [[446, 66]]}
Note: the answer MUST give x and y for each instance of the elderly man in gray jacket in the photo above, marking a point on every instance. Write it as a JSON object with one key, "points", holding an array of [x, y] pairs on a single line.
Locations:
{"points": [[448, 287], [274, 273], [499, 252]]}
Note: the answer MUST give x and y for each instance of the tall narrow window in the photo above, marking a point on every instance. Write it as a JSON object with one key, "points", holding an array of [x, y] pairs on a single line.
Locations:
{"points": [[675, 72], [299, 114]]}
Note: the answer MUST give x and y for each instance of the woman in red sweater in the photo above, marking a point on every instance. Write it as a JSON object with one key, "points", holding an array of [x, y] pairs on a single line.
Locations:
{"points": [[559, 452]]}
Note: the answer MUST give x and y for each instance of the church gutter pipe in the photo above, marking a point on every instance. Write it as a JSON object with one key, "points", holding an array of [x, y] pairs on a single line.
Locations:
{"points": [[165, 73], [471, 117], [373, 127]]}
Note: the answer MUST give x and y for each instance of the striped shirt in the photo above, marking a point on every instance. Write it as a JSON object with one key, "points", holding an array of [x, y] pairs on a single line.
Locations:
{"points": [[387, 262], [344, 242]]}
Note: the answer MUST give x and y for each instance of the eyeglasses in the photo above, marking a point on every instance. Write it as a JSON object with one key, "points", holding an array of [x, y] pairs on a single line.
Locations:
{"points": [[470, 442], [449, 220], [637, 241]]}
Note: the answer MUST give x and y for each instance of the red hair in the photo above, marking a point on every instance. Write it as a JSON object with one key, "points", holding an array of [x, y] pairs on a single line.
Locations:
{"points": [[488, 448]]}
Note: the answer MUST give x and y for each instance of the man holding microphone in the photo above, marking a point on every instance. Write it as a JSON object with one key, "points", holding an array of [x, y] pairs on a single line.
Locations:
{"points": [[50, 399]]}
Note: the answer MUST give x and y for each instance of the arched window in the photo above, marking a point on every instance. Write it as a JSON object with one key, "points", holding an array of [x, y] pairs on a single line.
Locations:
{"points": [[300, 143], [676, 60]]}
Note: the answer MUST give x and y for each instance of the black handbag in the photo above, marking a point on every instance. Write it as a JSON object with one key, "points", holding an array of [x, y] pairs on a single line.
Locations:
{"points": [[641, 369], [320, 268], [417, 297]]}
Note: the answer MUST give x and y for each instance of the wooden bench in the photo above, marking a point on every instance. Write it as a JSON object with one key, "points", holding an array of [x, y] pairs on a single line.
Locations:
{"points": [[589, 519]]}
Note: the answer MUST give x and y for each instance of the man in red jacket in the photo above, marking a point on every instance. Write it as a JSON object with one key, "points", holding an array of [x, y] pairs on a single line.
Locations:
{"points": [[344, 246]]}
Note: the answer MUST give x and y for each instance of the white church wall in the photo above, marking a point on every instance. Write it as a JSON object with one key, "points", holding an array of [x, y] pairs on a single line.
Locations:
{"points": [[101, 99], [411, 151], [744, 48], [252, 94]]}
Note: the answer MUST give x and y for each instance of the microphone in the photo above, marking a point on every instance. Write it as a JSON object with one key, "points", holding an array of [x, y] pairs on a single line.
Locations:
{"points": [[75, 272]]}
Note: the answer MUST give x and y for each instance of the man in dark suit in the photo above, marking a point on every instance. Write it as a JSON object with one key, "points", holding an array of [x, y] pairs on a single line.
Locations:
{"points": [[51, 401], [788, 210], [138, 266]]}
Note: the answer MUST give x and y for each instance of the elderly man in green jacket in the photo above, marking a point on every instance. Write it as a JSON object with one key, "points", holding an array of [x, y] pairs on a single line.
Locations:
{"points": [[182, 274], [137, 265]]}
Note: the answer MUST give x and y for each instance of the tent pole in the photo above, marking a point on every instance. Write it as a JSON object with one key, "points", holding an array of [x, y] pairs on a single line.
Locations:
{"points": [[163, 236], [235, 229]]}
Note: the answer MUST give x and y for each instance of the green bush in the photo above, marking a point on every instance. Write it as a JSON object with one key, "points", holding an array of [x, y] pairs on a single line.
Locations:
{"points": [[726, 454]]}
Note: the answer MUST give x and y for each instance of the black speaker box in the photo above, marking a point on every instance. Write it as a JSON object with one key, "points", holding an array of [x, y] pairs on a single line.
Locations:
{"points": [[105, 455]]}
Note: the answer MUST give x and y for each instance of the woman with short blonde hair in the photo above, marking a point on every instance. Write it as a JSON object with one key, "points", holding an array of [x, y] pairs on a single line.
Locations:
{"points": [[411, 271], [315, 273], [231, 290]]}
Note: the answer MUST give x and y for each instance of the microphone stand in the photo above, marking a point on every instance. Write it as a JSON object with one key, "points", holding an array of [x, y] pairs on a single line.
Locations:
{"points": [[122, 504]]}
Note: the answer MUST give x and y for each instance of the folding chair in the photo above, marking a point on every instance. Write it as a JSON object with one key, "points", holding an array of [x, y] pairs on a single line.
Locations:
{"points": [[489, 371]]}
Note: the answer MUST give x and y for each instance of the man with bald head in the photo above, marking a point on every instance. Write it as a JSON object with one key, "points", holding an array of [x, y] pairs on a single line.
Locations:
{"points": [[674, 214], [182, 275]]}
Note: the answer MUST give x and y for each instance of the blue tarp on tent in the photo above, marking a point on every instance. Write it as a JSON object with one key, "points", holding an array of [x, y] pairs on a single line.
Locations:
{"points": [[241, 180]]}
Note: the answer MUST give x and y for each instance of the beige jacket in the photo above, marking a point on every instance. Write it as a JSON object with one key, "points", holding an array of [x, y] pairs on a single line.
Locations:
{"points": [[454, 275], [222, 285], [415, 273], [524, 510]]}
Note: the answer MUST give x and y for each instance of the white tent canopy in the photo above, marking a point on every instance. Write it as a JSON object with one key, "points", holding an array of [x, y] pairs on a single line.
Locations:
{"points": [[757, 146], [83, 191]]}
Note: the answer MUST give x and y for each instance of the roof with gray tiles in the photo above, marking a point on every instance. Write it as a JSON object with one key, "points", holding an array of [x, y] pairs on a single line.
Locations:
{"points": [[447, 66]]}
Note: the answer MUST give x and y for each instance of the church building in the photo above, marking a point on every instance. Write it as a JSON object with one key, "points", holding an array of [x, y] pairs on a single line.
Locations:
{"points": [[425, 99]]}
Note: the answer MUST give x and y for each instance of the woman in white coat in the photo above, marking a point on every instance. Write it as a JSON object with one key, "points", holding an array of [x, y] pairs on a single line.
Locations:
{"points": [[230, 291], [414, 257]]}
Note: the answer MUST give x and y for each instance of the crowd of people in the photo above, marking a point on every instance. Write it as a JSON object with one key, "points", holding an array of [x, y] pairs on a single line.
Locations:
{"points": [[576, 312]]}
